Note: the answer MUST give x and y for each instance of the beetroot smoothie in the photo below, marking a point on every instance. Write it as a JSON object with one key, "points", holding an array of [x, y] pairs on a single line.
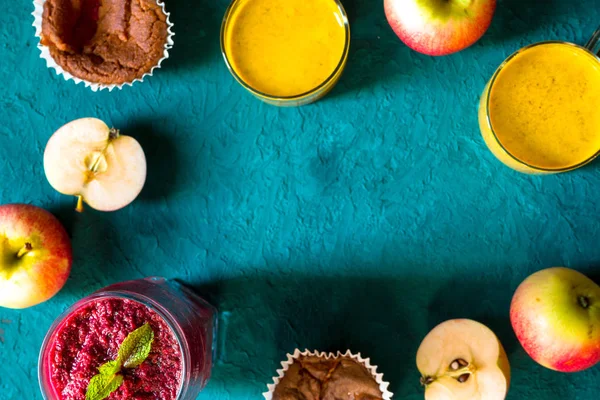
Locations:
{"points": [[91, 331], [91, 336]]}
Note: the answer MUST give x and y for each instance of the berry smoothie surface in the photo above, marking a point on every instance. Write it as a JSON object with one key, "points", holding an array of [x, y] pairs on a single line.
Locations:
{"points": [[91, 336]]}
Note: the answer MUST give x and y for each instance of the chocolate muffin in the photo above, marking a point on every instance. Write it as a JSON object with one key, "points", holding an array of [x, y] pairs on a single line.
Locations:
{"points": [[105, 41], [318, 378]]}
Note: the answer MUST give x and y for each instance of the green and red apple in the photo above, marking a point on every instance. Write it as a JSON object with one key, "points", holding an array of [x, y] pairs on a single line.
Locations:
{"points": [[35, 255], [87, 159], [439, 27], [463, 359], [555, 314]]}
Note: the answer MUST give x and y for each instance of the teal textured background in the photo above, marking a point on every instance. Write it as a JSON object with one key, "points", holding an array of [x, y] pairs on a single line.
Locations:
{"points": [[358, 222]]}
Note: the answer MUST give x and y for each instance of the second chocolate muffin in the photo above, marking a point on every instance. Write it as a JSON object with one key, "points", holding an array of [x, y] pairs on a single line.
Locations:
{"points": [[319, 378]]}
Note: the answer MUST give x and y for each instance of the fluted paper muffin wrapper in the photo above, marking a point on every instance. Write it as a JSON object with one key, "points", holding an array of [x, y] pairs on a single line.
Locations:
{"points": [[366, 362], [45, 51]]}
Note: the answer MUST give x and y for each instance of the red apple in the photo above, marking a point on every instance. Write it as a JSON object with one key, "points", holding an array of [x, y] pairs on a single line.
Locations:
{"points": [[35, 255], [439, 27], [556, 316]]}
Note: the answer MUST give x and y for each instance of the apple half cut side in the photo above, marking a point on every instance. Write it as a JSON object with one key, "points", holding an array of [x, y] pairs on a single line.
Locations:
{"points": [[87, 159], [463, 359]]}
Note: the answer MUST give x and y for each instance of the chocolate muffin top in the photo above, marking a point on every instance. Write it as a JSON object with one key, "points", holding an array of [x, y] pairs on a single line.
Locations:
{"points": [[316, 378], [105, 41]]}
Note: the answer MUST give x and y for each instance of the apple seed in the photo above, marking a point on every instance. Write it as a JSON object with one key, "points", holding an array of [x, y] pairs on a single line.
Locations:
{"points": [[463, 378], [458, 363]]}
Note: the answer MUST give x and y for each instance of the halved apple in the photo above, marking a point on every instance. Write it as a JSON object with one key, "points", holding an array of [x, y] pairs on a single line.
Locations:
{"points": [[87, 159], [463, 359]]}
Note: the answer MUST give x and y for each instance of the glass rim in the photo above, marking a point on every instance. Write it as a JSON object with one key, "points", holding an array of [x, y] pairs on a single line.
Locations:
{"points": [[489, 96], [295, 97], [118, 294]]}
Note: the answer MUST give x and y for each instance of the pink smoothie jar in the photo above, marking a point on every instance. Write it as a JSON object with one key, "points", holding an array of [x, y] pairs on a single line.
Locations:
{"points": [[192, 321]]}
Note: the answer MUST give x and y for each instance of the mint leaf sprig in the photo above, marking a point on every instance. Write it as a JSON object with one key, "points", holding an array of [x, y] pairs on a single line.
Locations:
{"points": [[132, 353]]}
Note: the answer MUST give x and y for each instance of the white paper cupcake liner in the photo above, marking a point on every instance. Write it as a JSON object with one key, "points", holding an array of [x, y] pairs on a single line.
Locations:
{"points": [[45, 51], [383, 386]]}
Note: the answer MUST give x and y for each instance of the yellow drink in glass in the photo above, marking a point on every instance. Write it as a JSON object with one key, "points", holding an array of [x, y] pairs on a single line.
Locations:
{"points": [[286, 53], [540, 112]]}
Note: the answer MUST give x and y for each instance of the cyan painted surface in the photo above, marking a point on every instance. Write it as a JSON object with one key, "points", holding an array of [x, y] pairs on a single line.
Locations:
{"points": [[359, 222]]}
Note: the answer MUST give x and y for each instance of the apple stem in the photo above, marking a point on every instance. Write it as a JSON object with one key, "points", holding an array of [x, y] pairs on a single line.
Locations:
{"points": [[79, 207], [113, 134], [583, 301], [24, 250]]}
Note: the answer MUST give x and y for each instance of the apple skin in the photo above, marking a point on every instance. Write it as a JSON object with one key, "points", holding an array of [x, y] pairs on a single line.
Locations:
{"points": [[555, 314], [40, 273], [439, 27]]}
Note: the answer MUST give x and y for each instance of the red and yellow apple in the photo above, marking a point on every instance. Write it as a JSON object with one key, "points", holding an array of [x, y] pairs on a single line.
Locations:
{"points": [[35, 255], [87, 159], [439, 27], [463, 359], [556, 316]]}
